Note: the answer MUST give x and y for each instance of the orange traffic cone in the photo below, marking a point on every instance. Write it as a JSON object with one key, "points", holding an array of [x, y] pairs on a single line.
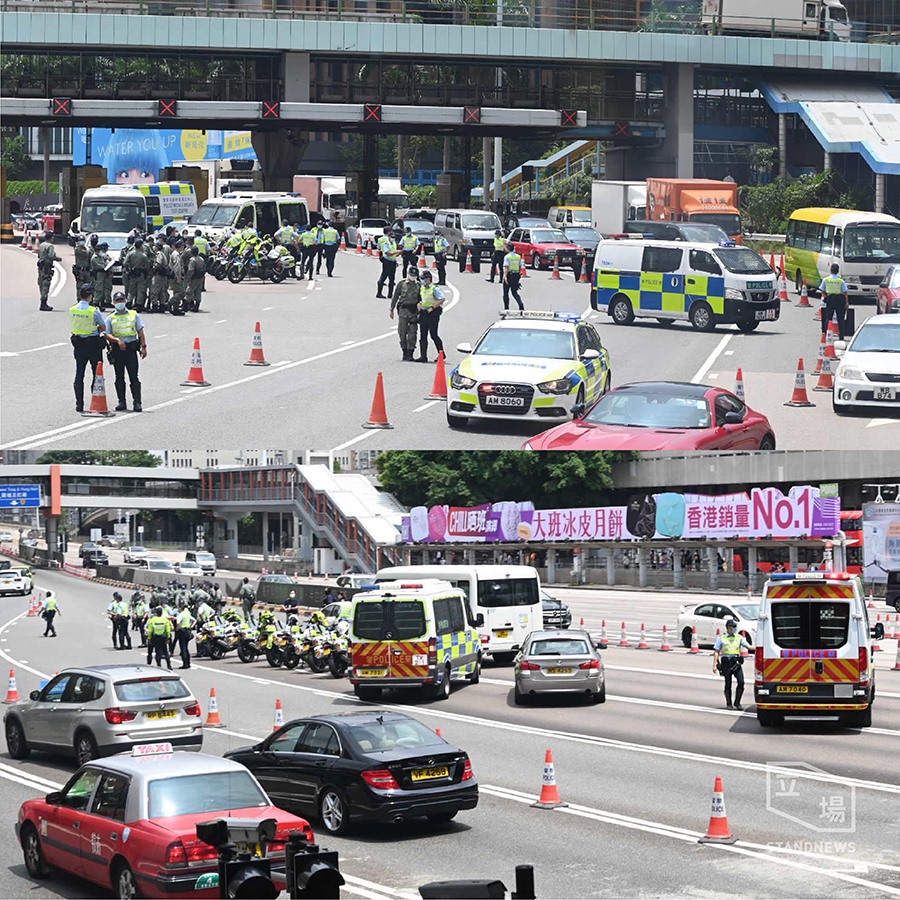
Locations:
{"points": [[195, 376], [378, 415], [550, 798], [695, 646], [664, 644], [799, 397], [98, 405], [804, 296], [821, 355], [584, 276], [782, 268], [343, 241], [897, 660], [212, 715], [439, 388], [581, 623], [832, 334], [12, 692], [623, 639], [717, 831], [32, 607], [555, 273], [782, 290], [643, 645], [523, 272], [423, 263], [257, 357], [772, 263], [279, 716], [469, 261], [603, 637], [369, 247], [35, 241], [359, 248], [739, 384], [826, 381], [871, 603], [434, 263]]}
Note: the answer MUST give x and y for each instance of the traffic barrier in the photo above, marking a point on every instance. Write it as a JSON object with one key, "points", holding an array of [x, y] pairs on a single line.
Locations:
{"points": [[423, 263], [826, 381], [439, 387], [695, 646], [12, 692], [603, 637], [782, 290], [664, 644], [279, 716], [739, 384], [549, 798], [98, 405], [195, 376], [469, 261], [378, 414], [642, 644], [623, 640], [799, 397], [555, 273], [257, 357], [213, 719], [821, 355], [804, 296], [718, 832]]}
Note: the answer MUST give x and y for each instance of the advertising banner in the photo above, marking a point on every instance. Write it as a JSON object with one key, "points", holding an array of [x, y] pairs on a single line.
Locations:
{"points": [[764, 512], [136, 156], [881, 540]]}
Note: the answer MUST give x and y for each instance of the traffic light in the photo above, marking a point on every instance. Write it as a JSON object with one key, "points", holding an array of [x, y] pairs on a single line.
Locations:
{"points": [[242, 875], [312, 873]]}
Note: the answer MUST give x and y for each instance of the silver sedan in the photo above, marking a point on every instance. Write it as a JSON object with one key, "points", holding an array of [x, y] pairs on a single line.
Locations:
{"points": [[559, 661]]}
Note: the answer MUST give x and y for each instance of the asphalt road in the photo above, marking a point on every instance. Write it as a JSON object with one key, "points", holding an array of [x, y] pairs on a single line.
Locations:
{"points": [[636, 772], [327, 339]]}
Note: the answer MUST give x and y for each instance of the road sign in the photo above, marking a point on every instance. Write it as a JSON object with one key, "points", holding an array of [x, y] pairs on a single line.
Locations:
{"points": [[13, 496]]}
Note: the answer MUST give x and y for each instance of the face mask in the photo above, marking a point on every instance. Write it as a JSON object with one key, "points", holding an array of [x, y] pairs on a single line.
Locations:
{"points": [[120, 307]]}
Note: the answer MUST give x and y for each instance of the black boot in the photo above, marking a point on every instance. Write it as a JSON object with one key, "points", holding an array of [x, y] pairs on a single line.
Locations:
{"points": [[136, 398], [46, 308], [423, 350]]}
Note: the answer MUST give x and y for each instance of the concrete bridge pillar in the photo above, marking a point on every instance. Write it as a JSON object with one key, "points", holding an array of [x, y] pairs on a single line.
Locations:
{"points": [[610, 567], [677, 570], [712, 558], [678, 116], [279, 155], [642, 567], [551, 566], [229, 543]]}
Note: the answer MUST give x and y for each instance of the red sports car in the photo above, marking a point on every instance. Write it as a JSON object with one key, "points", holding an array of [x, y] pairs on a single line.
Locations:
{"points": [[887, 297], [662, 415]]}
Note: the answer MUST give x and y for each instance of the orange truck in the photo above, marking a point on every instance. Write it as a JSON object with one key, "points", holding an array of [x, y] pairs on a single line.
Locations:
{"points": [[695, 200]]}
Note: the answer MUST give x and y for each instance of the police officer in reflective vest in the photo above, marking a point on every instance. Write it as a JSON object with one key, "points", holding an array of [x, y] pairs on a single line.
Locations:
{"points": [[184, 631], [139, 612], [727, 661], [308, 248], [441, 246], [431, 299], [87, 325], [49, 612], [159, 630], [408, 244], [330, 239], [512, 275], [46, 257], [389, 253], [125, 332], [497, 258], [120, 621], [834, 291]]}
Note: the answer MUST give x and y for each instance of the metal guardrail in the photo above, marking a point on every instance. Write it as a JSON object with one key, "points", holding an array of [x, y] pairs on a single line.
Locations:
{"points": [[515, 14]]}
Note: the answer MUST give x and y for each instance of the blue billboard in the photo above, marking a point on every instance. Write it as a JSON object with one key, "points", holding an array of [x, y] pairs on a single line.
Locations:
{"points": [[136, 156], [15, 496]]}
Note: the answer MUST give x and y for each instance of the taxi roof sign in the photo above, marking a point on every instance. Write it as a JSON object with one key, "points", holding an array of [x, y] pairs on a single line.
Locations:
{"points": [[152, 749]]}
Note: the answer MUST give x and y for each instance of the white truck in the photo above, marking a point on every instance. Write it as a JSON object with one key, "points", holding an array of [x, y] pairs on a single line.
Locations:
{"points": [[825, 20], [327, 194], [227, 175], [613, 203]]}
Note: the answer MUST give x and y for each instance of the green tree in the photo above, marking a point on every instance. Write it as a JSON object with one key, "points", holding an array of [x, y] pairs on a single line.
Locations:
{"points": [[101, 458], [14, 155], [468, 478]]}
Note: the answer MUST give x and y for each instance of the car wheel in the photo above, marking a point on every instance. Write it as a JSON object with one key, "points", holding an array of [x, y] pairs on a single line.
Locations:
{"points": [[442, 818], [535, 261], [125, 884], [368, 693], [746, 327], [15, 740], [600, 696], [701, 316], [333, 811], [519, 698], [767, 443], [686, 635], [85, 747], [861, 719], [475, 677], [442, 691], [34, 853], [457, 421], [621, 310]]}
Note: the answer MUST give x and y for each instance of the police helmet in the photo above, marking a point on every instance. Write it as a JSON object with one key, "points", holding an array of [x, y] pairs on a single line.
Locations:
{"points": [[94, 238], [118, 295], [195, 251], [103, 246], [317, 616], [87, 290], [117, 595], [179, 243], [731, 624], [138, 242], [130, 239], [48, 234], [157, 610]]}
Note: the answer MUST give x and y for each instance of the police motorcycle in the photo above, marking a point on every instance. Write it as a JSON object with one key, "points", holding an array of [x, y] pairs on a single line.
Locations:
{"points": [[337, 654], [262, 259], [254, 638], [312, 643], [278, 641], [227, 637]]}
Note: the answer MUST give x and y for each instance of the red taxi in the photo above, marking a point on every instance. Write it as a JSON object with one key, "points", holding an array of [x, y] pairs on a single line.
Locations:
{"points": [[887, 297], [540, 248], [128, 822]]}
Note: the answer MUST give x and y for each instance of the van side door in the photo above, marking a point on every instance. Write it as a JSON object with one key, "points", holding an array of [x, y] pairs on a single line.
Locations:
{"points": [[662, 282]]}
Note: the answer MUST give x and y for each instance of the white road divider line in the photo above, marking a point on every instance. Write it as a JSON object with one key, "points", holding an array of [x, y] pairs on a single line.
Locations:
{"points": [[425, 406], [352, 441], [710, 360], [57, 285]]}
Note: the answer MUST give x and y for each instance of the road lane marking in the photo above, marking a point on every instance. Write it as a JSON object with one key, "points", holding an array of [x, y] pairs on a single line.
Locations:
{"points": [[426, 405], [220, 322], [875, 423], [46, 783], [34, 349], [708, 364], [58, 270], [352, 441]]}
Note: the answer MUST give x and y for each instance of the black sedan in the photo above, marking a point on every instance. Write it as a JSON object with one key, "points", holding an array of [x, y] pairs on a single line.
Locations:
{"points": [[556, 613], [362, 766]]}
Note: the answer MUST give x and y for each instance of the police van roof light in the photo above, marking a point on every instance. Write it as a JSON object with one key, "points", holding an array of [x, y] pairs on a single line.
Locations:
{"points": [[727, 243], [407, 587]]}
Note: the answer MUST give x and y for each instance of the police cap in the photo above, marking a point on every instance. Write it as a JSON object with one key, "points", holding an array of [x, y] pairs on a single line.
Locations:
{"points": [[179, 243], [138, 242], [731, 624], [118, 295], [103, 246], [87, 290]]}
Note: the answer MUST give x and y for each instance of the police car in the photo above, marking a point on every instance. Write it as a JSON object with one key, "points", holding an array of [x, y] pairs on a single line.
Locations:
{"points": [[533, 366]]}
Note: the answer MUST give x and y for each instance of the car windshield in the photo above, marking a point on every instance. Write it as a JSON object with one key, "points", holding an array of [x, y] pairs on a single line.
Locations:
{"points": [[729, 223], [895, 279], [137, 550], [748, 611], [151, 690], [582, 234], [486, 221], [416, 226], [205, 557], [742, 261], [209, 792], [877, 339], [560, 647], [650, 410], [527, 342], [215, 214], [401, 619], [548, 236], [373, 223], [878, 241], [385, 736], [494, 593], [581, 215], [162, 564], [113, 215], [702, 234]]}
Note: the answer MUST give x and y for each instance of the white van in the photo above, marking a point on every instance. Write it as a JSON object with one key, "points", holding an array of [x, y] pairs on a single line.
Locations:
{"points": [[508, 597], [468, 229], [670, 281], [266, 211], [814, 649]]}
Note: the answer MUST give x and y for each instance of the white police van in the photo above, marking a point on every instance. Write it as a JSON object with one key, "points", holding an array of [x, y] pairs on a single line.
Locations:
{"points": [[670, 281]]}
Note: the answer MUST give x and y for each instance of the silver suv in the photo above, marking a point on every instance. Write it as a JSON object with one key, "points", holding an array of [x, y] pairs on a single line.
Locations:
{"points": [[100, 710]]}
